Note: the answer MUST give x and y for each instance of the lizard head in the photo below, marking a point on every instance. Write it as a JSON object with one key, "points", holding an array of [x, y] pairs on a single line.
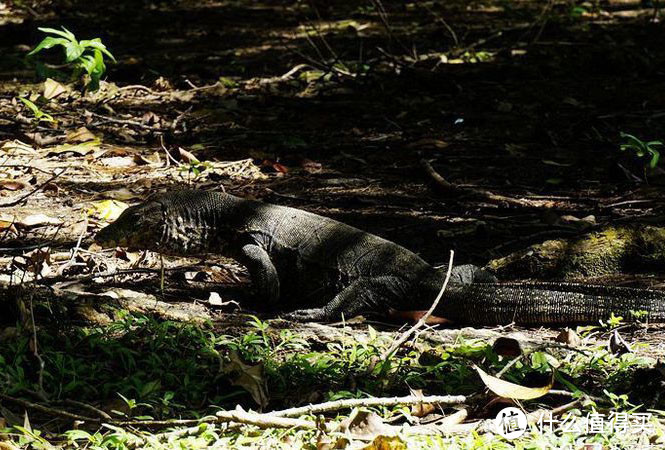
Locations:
{"points": [[175, 223], [138, 227]]}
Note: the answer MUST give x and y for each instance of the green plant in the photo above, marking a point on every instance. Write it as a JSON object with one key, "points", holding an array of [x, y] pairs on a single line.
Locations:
{"points": [[193, 169], [84, 56], [38, 113], [612, 322], [642, 148]]}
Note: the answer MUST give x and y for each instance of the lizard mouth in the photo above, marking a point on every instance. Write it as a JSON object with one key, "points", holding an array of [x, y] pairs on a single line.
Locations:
{"points": [[135, 241], [106, 239]]}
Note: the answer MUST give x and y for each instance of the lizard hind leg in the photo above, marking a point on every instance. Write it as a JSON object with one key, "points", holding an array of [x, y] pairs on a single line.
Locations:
{"points": [[363, 295]]}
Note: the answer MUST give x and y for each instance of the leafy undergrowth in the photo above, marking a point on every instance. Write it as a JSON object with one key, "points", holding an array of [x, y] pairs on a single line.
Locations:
{"points": [[139, 368]]}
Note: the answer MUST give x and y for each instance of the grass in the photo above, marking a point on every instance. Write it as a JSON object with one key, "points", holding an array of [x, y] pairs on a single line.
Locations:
{"points": [[141, 368]]}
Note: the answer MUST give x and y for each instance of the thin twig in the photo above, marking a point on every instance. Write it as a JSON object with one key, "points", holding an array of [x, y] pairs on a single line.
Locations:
{"points": [[387, 354], [76, 248], [442, 21], [99, 412], [38, 188], [46, 409], [35, 350], [139, 87], [133, 123], [169, 158]]}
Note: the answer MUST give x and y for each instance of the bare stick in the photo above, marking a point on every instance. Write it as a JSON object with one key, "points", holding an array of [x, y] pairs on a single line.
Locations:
{"points": [[349, 403], [387, 354], [46, 409], [264, 420], [479, 193], [130, 122], [35, 349], [99, 412]]}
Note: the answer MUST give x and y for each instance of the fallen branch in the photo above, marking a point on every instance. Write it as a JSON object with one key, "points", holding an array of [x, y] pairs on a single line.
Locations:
{"points": [[483, 194], [102, 414], [46, 409], [268, 420], [407, 334], [373, 401]]}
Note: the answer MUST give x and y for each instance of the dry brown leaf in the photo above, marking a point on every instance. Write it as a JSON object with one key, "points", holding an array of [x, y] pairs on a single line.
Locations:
{"points": [[53, 89], [118, 161], [251, 379], [366, 425], [34, 220], [568, 336], [12, 185], [151, 160], [162, 84], [51, 189], [617, 345], [421, 409], [81, 134], [18, 147], [187, 156], [5, 445], [6, 223], [150, 118], [277, 167], [507, 389]]}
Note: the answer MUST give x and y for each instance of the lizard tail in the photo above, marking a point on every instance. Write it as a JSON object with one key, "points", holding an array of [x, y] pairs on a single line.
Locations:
{"points": [[548, 303]]}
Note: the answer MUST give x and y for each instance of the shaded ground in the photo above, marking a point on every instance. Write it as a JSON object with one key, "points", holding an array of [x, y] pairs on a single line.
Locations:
{"points": [[539, 119], [330, 107]]}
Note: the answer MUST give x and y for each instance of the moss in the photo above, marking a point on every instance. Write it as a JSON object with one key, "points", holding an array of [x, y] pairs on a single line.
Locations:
{"points": [[609, 251]]}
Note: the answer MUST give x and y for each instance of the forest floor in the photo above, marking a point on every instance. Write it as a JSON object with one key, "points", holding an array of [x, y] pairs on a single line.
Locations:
{"points": [[331, 108]]}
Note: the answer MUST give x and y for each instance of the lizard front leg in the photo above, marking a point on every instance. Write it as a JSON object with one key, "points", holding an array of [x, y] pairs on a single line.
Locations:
{"points": [[262, 272], [364, 294]]}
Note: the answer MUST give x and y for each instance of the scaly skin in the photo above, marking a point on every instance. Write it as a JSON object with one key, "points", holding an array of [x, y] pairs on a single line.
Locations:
{"points": [[298, 258]]}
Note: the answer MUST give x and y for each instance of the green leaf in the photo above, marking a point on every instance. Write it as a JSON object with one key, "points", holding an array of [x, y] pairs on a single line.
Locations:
{"points": [[97, 44], [98, 70], [87, 62], [47, 43], [39, 114], [655, 156], [34, 108], [75, 435], [632, 139], [73, 51], [66, 33]]}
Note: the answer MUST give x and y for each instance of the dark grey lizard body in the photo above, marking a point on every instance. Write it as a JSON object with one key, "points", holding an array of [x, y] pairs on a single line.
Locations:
{"points": [[296, 257]]}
